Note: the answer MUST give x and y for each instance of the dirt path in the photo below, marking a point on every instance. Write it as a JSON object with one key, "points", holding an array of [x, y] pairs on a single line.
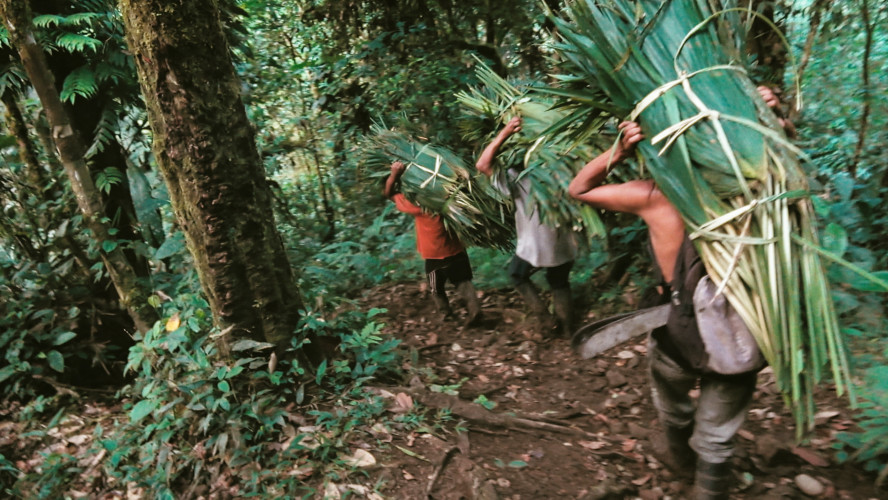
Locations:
{"points": [[587, 427]]}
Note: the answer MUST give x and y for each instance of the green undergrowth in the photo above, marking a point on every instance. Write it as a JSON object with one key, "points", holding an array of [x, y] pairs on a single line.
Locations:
{"points": [[194, 421]]}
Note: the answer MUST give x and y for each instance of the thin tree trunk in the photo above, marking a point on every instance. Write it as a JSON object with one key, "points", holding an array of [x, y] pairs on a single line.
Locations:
{"points": [[204, 146], [34, 179], [88, 116], [16, 123], [765, 44], [817, 9], [37, 179], [490, 25], [41, 128], [865, 84], [17, 17], [329, 212]]}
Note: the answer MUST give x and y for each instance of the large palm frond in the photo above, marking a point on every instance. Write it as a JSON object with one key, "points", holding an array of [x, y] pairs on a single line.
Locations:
{"points": [[722, 159]]}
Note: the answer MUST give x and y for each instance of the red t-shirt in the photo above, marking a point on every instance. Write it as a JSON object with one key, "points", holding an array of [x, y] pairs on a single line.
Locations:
{"points": [[433, 241]]}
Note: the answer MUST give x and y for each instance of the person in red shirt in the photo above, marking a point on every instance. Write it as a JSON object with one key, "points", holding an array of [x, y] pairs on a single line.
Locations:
{"points": [[445, 256]]}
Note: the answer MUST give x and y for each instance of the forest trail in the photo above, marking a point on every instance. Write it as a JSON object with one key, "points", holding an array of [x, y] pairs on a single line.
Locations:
{"points": [[581, 429]]}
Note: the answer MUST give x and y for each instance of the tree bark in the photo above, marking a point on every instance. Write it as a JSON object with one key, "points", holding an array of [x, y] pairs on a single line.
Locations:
{"points": [[865, 85], [27, 153], [87, 116], [766, 45], [817, 9], [204, 146], [17, 18]]}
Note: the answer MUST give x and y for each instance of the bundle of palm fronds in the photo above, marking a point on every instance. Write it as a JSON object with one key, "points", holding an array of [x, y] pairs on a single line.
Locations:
{"points": [[726, 165], [547, 162], [437, 180]]}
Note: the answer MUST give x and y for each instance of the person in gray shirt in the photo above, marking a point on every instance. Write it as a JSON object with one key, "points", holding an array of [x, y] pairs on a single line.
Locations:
{"points": [[539, 246]]}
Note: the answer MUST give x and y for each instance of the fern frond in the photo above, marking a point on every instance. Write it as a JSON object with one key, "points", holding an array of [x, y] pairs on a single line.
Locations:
{"points": [[75, 42], [105, 72], [80, 82], [48, 21], [105, 132], [81, 19], [12, 76], [107, 178]]}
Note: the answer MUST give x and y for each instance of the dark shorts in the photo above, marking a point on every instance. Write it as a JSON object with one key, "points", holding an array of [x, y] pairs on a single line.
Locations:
{"points": [[455, 269], [558, 277]]}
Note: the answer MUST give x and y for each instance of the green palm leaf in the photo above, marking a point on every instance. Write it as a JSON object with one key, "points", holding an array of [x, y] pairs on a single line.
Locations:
{"points": [[542, 155], [437, 180], [722, 160]]}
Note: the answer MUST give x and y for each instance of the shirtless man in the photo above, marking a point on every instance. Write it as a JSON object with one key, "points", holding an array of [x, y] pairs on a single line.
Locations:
{"points": [[701, 434]]}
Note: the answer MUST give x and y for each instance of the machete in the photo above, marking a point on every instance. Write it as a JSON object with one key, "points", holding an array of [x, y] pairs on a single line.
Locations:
{"points": [[595, 338]]}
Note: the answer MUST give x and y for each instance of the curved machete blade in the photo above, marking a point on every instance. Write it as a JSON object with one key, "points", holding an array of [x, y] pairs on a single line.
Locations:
{"points": [[595, 338]]}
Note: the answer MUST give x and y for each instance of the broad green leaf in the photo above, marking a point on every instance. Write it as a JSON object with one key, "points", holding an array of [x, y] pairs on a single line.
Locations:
{"points": [[173, 245], [866, 284], [142, 409], [56, 361], [246, 344], [835, 239], [6, 372], [63, 338], [322, 369]]}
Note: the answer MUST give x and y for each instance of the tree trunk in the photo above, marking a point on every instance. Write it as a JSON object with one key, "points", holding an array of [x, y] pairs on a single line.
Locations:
{"points": [[18, 21], [204, 146], [763, 42], [28, 154], [88, 114], [865, 86], [38, 180], [816, 14]]}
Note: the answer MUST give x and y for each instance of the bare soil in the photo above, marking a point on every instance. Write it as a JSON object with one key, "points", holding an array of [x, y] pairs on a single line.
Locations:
{"points": [[526, 419], [563, 427]]}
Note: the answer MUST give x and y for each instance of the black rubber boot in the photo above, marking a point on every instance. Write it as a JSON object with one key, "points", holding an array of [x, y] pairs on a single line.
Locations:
{"points": [[467, 291], [561, 300], [680, 456], [442, 305], [543, 322], [531, 297], [711, 481]]}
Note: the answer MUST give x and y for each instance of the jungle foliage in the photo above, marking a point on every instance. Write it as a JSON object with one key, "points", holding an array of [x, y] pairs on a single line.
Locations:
{"points": [[317, 75]]}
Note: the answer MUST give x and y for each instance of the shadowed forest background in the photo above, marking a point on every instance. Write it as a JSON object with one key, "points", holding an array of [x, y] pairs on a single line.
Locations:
{"points": [[191, 235]]}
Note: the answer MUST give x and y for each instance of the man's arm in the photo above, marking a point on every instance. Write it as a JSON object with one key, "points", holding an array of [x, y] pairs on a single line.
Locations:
{"points": [[638, 197], [485, 161], [586, 186], [391, 184], [391, 191]]}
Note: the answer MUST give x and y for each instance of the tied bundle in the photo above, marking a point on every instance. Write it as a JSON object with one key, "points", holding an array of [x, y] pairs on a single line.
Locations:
{"points": [[547, 165], [720, 156], [437, 180]]}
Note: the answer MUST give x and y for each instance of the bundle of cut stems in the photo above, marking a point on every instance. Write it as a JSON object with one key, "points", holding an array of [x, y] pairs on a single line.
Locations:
{"points": [[437, 180], [722, 159], [546, 162]]}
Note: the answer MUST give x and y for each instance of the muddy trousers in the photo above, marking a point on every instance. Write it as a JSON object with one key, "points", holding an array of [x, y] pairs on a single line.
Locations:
{"points": [[720, 409]]}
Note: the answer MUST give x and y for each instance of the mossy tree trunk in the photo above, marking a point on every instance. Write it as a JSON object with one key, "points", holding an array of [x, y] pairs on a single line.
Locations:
{"points": [[204, 146], [15, 122], [17, 18], [87, 114]]}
